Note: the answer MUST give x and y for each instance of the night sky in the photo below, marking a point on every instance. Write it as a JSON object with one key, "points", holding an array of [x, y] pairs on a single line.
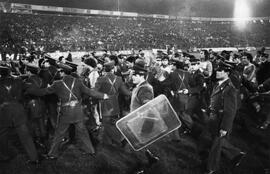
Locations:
{"points": [[202, 8]]}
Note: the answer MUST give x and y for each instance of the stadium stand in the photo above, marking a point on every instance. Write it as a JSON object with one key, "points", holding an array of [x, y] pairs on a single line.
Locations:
{"points": [[77, 33]]}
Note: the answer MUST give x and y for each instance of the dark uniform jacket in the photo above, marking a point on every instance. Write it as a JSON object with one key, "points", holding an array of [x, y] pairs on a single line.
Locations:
{"points": [[34, 81], [196, 83], [223, 106], [70, 114], [263, 72], [265, 86], [11, 109], [179, 79], [111, 85], [35, 105], [11, 89], [195, 93]]}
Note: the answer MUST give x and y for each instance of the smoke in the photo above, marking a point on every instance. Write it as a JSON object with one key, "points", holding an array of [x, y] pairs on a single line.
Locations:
{"points": [[185, 7], [189, 8], [213, 8]]}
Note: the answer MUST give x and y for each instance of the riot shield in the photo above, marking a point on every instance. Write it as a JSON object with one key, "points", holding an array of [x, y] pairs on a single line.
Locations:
{"points": [[149, 123]]}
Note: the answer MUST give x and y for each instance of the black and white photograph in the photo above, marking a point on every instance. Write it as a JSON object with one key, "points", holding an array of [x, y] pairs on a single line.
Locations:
{"points": [[134, 87]]}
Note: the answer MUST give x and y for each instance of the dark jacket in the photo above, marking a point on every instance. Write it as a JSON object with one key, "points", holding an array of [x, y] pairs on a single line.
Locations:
{"points": [[223, 105], [11, 89], [196, 83], [12, 112], [179, 79], [263, 72], [111, 85], [141, 95]]}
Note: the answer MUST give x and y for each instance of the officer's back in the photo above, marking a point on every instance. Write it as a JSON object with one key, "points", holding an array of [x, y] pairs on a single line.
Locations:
{"points": [[10, 89]]}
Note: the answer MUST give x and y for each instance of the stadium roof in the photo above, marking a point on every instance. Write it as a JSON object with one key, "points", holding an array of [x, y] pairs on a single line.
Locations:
{"points": [[201, 8]]}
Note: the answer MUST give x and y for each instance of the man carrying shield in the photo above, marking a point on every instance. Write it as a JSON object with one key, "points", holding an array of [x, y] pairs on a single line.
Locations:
{"points": [[141, 94]]}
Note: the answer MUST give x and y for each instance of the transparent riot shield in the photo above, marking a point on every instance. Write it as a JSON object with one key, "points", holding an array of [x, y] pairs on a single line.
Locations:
{"points": [[149, 123]]}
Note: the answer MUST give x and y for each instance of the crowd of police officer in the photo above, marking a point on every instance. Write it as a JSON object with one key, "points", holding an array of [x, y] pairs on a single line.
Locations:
{"points": [[41, 98]]}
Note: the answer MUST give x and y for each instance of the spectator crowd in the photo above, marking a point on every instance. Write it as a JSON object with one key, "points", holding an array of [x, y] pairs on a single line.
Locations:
{"points": [[55, 32]]}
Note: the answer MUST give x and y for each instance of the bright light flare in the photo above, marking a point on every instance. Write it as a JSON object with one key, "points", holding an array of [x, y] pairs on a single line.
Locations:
{"points": [[242, 13]]}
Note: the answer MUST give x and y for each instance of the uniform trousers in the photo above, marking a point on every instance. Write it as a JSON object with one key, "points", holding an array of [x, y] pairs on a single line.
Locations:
{"points": [[221, 145], [80, 132], [25, 139], [110, 134], [12, 116]]}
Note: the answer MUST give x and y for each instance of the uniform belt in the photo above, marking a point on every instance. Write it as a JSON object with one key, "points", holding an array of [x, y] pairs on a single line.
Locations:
{"points": [[181, 92], [71, 103]]}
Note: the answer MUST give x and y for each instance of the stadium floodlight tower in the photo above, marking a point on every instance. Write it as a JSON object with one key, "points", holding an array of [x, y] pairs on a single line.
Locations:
{"points": [[242, 14]]}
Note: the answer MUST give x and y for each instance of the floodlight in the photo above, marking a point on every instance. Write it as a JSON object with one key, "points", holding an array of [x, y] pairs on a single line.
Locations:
{"points": [[242, 13]]}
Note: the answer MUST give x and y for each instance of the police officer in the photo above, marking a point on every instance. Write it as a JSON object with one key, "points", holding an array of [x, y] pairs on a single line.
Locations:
{"points": [[36, 105], [48, 72], [69, 91], [13, 116], [223, 107], [110, 111], [196, 87], [180, 86], [235, 76], [263, 71], [179, 83]]}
